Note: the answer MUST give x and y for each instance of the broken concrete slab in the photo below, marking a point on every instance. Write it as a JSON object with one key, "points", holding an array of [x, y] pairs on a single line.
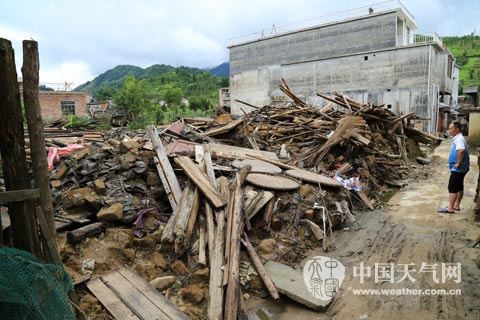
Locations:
{"points": [[290, 283]]}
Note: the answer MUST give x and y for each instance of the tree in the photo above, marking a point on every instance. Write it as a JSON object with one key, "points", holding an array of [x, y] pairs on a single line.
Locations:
{"points": [[199, 102], [173, 96], [132, 98], [106, 93], [45, 88]]}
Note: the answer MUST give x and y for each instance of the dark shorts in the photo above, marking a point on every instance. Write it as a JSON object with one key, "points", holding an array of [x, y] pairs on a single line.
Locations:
{"points": [[455, 184]]}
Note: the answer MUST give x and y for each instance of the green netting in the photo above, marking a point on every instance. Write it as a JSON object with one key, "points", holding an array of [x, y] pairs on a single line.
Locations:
{"points": [[30, 289]]}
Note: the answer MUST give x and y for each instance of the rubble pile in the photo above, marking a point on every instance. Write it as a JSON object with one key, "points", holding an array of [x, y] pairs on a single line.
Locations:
{"points": [[177, 203]]}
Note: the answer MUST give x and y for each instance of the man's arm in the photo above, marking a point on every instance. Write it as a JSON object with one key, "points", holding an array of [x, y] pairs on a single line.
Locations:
{"points": [[460, 154]]}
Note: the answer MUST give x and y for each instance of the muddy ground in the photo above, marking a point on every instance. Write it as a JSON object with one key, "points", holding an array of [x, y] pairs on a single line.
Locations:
{"points": [[406, 230]]}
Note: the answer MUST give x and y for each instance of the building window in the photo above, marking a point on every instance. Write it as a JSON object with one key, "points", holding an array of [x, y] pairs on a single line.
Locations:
{"points": [[68, 107], [450, 67]]}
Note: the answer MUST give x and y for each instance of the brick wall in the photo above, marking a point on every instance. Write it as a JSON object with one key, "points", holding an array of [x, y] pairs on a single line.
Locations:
{"points": [[50, 103]]}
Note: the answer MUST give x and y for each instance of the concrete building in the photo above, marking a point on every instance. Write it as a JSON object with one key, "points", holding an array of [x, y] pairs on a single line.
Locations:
{"points": [[373, 57], [474, 97], [224, 98]]}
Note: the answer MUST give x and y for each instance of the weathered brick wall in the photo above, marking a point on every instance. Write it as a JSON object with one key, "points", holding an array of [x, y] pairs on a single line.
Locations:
{"points": [[51, 106]]}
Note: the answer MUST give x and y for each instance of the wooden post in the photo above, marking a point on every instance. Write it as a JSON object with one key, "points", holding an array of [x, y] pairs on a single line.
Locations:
{"points": [[260, 268], [12, 149], [231, 299], [215, 302], [35, 129], [84, 232]]}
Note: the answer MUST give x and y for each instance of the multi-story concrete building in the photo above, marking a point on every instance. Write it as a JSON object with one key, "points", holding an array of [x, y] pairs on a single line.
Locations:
{"points": [[374, 57], [224, 98]]}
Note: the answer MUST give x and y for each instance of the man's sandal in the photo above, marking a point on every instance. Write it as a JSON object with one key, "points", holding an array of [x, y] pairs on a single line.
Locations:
{"points": [[445, 210]]}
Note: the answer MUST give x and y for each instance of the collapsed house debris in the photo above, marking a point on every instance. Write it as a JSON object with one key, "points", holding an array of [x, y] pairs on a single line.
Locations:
{"points": [[287, 175]]}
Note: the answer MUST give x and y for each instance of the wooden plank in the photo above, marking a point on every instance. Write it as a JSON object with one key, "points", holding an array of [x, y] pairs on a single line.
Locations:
{"points": [[208, 208], [19, 195], [134, 298], [110, 300], [168, 232], [192, 219], [166, 186], [231, 298], [215, 302], [233, 152], [154, 296], [225, 128], [202, 256], [257, 203], [207, 156], [184, 209], [165, 163], [267, 216], [201, 180]]}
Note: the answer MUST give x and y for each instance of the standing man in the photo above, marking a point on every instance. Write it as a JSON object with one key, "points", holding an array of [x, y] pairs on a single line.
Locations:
{"points": [[459, 162]]}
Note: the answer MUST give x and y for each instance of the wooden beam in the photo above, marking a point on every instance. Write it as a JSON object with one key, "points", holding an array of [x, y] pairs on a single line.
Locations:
{"points": [[231, 299], [202, 256], [201, 180], [215, 301], [184, 210], [166, 186], [208, 208], [225, 128], [19, 195], [33, 114], [170, 176], [260, 269], [192, 219]]}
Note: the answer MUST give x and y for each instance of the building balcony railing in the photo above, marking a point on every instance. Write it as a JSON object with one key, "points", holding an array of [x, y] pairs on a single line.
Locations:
{"points": [[424, 38], [363, 11]]}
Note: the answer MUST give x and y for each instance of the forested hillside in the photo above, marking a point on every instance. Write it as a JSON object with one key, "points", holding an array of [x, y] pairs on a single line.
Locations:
{"points": [[116, 77], [466, 50], [157, 94]]}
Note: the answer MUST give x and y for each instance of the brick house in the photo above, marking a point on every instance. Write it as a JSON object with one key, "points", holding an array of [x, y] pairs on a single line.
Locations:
{"points": [[57, 104]]}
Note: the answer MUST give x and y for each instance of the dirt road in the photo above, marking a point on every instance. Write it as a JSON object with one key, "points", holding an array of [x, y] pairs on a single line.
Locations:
{"points": [[408, 230]]}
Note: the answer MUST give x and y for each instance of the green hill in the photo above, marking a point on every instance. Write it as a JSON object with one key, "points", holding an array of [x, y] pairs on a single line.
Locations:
{"points": [[155, 77], [111, 78], [466, 50]]}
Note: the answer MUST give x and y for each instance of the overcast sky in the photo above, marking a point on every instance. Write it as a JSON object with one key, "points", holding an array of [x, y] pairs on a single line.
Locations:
{"points": [[78, 40]]}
